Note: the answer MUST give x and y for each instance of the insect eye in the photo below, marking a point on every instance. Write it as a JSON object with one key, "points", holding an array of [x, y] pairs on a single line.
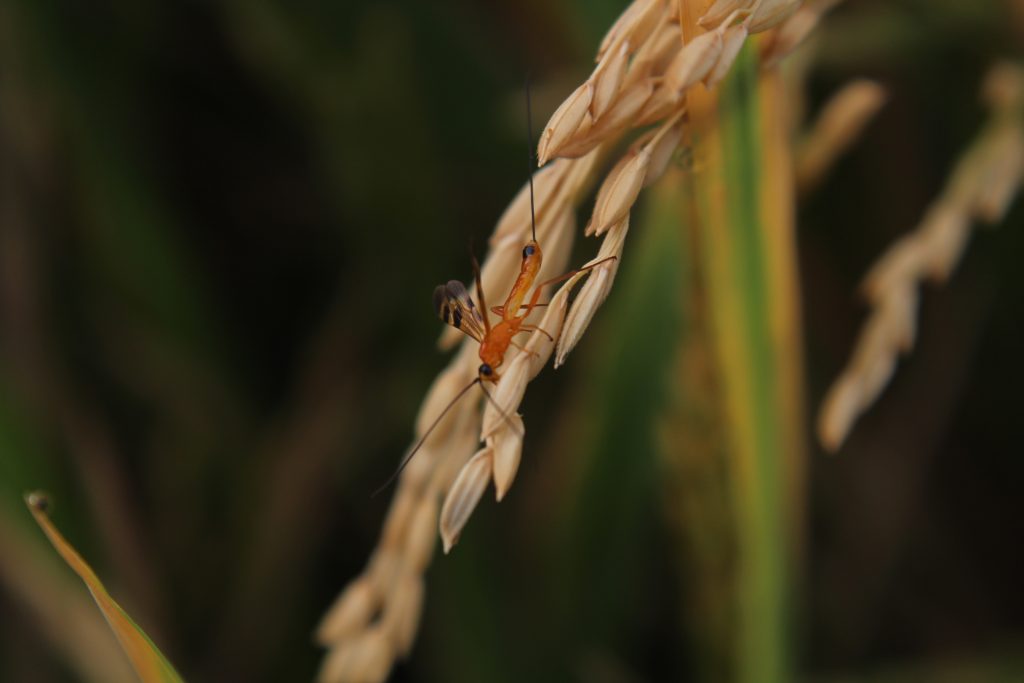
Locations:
{"points": [[528, 251], [485, 370]]}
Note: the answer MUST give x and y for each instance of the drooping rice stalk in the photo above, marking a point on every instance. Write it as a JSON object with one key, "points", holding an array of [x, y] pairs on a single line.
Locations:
{"points": [[981, 188], [661, 63]]}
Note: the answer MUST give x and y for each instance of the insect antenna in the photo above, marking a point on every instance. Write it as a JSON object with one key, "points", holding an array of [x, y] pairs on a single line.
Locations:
{"points": [[426, 435], [480, 292], [529, 160], [505, 416], [423, 439]]}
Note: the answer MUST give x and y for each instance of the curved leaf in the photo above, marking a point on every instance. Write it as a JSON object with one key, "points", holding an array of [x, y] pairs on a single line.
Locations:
{"points": [[145, 657]]}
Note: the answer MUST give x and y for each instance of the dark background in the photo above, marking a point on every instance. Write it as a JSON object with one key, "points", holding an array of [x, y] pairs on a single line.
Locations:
{"points": [[220, 224]]}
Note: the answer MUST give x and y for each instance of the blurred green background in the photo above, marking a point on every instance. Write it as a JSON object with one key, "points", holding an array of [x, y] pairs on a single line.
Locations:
{"points": [[220, 225]]}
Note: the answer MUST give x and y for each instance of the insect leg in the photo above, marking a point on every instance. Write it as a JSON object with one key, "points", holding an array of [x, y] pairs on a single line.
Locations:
{"points": [[561, 278], [500, 310], [525, 350], [426, 435], [501, 411], [534, 328]]}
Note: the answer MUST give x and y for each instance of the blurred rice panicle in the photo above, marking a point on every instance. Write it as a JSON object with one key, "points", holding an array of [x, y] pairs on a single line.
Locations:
{"points": [[981, 188]]}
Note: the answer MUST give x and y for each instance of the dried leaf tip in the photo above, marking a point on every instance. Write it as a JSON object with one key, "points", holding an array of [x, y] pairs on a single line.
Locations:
{"points": [[38, 500]]}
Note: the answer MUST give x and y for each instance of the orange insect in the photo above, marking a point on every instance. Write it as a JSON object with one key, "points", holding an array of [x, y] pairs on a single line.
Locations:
{"points": [[455, 307]]}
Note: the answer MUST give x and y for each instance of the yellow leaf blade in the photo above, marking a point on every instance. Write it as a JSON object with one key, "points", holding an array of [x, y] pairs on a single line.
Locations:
{"points": [[145, 657]]}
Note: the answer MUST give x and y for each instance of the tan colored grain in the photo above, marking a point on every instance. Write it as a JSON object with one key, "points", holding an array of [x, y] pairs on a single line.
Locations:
{"points": [[564, 122], [557, 253], [464, 495], [655, 55], [840, 123], [902, 264], [662, 151], [507, 395], [721, 9], [616, 121], [661, 71], [659, 105], [541, 345], [771, 13], [839, 410], [594, 291], [546, 185], [350, 613], [634, 25], [402, 615], [650, 15], [1003, 178], [794, 31], [607, 80], [732, 40], [422, 536], [400, 514], [507, 443], [591, 296], [365, 659], [385, 566], [693, 62], [619, 192], [621, 89], [942, 237]]}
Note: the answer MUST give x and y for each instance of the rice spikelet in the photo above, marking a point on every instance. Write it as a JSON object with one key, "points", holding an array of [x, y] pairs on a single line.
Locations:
{"points": [[464, 494], [840, 123]]}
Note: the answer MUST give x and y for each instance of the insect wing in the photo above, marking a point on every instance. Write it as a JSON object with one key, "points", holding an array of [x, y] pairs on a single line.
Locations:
{"points": [[456, 308]]}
